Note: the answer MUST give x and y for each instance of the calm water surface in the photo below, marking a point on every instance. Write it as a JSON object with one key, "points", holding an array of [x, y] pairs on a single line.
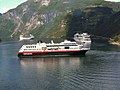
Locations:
{"points": [[98, 70]]}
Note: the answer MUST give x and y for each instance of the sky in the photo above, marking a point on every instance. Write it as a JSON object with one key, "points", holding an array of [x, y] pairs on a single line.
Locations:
{"points": [[113, 0], [5, 5]]}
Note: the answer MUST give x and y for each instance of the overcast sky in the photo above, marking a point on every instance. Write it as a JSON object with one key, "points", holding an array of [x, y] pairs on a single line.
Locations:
{"points": [[113, 0], [5, 5]]}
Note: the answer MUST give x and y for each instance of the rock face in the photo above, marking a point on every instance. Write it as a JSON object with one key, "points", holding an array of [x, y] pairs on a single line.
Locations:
{"points": [[26, 16], [57, 18]]}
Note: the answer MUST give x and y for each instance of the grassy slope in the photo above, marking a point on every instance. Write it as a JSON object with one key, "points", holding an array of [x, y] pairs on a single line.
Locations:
{"points": [[6, 27]]}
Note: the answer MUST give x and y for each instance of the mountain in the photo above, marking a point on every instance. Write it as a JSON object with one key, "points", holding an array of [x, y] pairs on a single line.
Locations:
{"points": [[111, 26], [38, 16], [0, 14], [89, 20], [56, 18], [6, 28]]}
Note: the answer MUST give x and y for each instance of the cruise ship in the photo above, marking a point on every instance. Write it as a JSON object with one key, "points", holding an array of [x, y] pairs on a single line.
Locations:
{"points": [[26, 37], [79, 46]]}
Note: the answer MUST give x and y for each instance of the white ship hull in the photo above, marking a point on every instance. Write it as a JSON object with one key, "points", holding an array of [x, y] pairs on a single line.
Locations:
{"points": [[22, 37]]}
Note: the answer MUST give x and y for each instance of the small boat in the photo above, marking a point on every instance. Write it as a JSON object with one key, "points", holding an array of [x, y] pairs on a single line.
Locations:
{"points": [[26, 37], [79, 46]]}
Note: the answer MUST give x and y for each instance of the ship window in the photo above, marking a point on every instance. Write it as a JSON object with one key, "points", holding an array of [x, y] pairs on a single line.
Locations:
{"points": [[66, 47], [30, 46], [49, 49], [87, 39], [69, 43]]}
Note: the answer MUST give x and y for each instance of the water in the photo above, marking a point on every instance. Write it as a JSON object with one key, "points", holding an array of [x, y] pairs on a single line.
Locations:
{"points": [[98, 70]]}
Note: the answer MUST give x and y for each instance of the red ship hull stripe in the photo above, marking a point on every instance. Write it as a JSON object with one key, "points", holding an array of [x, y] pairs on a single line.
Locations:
{"points": [[56, 51]]}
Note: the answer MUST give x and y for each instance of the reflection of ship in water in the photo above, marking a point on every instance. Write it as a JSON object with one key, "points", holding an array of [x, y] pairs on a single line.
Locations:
{"points": [[50, 72], [45, 63]]}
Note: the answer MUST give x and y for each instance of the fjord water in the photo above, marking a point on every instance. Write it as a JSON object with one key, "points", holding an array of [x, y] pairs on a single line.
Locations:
{"points": [[98, 70]]}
